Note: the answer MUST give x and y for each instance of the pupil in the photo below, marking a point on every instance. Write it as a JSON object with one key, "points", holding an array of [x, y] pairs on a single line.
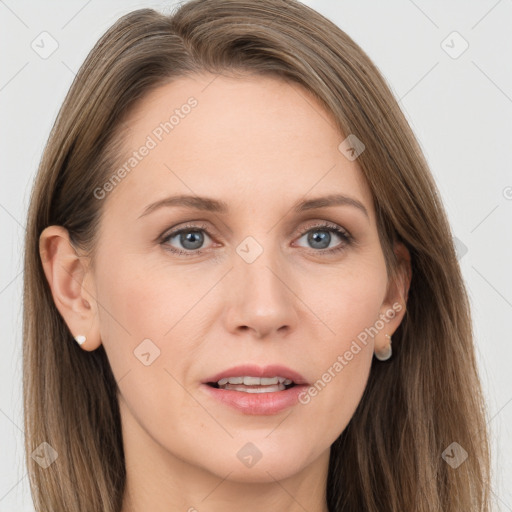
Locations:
{"points": [[314, 238], [195, 238]]}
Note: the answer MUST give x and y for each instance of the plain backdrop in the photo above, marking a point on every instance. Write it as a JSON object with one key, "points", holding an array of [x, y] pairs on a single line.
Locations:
{"points": [[454, 88]]}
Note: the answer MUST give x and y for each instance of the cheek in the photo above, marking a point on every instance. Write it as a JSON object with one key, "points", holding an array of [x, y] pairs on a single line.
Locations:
{"points": [[349, 307], [347, 299], [137, 309], [151, 326], [147, 301], [145, 311]]}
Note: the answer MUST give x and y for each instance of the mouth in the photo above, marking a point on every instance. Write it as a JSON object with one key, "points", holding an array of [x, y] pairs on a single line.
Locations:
{"points": [[256, 390], [250, 378], [249, 384]]}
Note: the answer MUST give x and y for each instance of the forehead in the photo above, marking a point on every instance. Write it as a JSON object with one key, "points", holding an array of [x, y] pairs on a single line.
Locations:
{"points": [[258, 136]]}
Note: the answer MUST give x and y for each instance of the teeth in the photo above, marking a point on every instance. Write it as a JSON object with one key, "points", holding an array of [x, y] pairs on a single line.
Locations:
{"points": [[252, 381], [255, 381], [254, 389]]}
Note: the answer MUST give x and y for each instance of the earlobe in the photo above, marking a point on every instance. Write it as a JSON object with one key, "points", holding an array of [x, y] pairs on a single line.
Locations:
{"points": [[65, 272]]}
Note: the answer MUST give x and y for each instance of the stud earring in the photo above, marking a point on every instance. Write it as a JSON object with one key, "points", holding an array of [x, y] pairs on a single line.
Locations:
{"points": [[386, 353], [80, 338]]}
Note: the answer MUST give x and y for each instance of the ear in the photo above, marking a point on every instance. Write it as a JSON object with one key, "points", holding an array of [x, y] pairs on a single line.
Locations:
{"points": [[395, 302], [66, 273]]}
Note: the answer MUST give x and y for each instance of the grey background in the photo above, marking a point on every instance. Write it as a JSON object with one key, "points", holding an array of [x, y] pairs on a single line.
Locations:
{"points": [[460, 109]]}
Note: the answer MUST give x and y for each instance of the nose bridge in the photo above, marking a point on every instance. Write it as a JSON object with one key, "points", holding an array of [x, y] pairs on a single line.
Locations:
{"points": [[263, 300]]}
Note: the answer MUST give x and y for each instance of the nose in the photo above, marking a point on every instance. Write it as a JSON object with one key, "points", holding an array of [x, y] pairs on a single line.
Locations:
{"points": [[262, 301]]}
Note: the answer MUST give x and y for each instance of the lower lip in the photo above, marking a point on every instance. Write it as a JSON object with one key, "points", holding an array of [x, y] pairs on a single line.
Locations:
{"points": [[257, 403]]}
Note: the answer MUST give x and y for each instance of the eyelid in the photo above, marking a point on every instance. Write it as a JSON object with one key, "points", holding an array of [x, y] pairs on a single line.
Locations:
{"points": [[325, 224], [341, 232], [344, 234], [190, 226], [202, 225]]}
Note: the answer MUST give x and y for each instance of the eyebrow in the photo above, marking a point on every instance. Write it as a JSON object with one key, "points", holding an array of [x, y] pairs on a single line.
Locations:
{"points": [[330, 200], [218, 206]]}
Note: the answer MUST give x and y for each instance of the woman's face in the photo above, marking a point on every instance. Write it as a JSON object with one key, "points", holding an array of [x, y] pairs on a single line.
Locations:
{"points": [[259, 276]]}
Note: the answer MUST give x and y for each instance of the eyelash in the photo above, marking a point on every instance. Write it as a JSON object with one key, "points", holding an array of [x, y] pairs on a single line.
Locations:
{"points": [[346, 237]]}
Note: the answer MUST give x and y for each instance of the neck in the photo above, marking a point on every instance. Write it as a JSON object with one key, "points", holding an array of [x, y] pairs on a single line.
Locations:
{"points": [[214, 494]]}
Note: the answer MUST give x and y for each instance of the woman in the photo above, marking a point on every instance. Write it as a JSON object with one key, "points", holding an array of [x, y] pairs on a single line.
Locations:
{"points": [[240, 283]]}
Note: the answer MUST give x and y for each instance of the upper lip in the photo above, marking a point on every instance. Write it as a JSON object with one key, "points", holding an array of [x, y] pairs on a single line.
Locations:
{"points": [[251, 370]]}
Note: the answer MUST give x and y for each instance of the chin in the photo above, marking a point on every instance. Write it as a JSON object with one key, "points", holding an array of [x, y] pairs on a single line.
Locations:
{"points": [[262, 468]]}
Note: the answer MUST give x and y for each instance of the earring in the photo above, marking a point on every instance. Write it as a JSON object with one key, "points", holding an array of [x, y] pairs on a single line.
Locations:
{"points": [[80, 338], [386, 353]]}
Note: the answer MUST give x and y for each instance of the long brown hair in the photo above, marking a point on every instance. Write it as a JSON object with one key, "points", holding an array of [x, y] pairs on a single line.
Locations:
{"points": [[428, 396]]}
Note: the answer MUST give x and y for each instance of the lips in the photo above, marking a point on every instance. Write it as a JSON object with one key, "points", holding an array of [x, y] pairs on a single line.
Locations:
{"points": [[266, 400]]}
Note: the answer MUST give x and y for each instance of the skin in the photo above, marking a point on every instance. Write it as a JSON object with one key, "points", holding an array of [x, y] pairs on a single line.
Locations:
{"points": [[259, 144]]}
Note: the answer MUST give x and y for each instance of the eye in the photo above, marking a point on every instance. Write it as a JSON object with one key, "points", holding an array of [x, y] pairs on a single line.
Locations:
{"points": [[320, 237], [188, 238]]}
